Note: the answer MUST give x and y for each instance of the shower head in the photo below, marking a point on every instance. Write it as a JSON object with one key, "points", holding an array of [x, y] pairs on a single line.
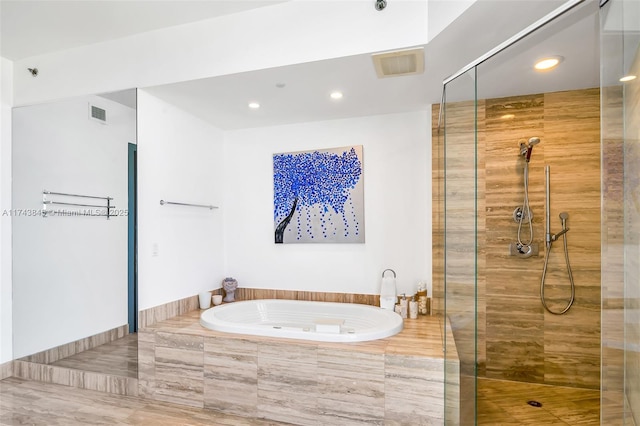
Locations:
{"points": [[563, 217], [527, 147]]}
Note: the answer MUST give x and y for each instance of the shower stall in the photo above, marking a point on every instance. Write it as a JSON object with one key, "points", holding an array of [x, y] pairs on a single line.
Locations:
{"points": [[536, 223]]}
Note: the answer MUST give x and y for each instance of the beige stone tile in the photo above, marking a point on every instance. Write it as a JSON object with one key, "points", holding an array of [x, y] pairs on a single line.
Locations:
{"points": [[35, 403], [350, 387], [104, 383], [117, 357], [6, 370], [414, 390], [287, 382], [231, 376], [505, 402], [179, 341], [146, 356], [283, 375], [297, 408], [41, 373], [179, 376]]}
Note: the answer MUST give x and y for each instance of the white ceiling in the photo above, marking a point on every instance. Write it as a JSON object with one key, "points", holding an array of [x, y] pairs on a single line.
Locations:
{"points": [[35, 27], [223, 100]]}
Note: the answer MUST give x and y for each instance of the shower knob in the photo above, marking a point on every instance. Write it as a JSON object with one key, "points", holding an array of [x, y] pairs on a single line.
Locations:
{"points": [[519, 215]]}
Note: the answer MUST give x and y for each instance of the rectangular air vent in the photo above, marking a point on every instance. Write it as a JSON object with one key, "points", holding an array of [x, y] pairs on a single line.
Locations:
{"points": [[98, 114], [399, 62]]}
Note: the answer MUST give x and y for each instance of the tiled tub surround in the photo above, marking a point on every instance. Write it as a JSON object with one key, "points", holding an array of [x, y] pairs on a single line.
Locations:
{"points": [[244, 293], [159, 313], [396, 380], [150, 316]]}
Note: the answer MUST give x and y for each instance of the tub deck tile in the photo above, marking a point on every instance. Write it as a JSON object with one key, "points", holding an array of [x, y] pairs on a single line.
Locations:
{"points": [[396, 380], [231, 376], [287, 407], [288, 382], [350, 387], [414, 390], [179, 376], [420, 337], [179, 341], [282, 375]]}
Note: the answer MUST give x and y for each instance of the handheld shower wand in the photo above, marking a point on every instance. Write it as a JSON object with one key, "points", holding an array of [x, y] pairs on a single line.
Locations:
{"points": [[524, 214], [550, 239], [527, 148]]}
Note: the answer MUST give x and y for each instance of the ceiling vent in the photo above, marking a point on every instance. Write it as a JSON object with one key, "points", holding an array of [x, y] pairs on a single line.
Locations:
{"points": [[97, 114], [399, 62]]}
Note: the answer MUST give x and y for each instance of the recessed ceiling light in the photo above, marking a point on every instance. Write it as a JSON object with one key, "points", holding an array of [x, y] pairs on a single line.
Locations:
{"points": [[254, 105], [547, 63], [336, 95], [627, 78]]}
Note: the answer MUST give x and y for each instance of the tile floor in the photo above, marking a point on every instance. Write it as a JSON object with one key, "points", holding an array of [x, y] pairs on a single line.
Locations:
{"points": [[35, 403], [117, 358], [505, 403]]}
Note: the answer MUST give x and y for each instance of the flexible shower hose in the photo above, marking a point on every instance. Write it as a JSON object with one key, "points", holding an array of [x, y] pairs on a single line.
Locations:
{"points": [[544, 274], [526, 210]]}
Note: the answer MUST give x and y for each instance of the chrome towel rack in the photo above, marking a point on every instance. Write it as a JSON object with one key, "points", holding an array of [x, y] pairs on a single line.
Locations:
{"points": [[106, 206], [207, 206]]}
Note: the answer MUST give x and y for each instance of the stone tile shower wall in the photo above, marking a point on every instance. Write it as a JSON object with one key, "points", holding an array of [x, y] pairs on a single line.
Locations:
{"points": [[517, 339]]}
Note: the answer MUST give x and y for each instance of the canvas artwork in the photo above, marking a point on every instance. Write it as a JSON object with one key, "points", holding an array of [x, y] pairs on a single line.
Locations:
{"points": [[318, 196]]}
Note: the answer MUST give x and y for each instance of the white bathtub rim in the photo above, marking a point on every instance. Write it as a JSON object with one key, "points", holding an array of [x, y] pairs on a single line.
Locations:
{"points": [[210, 321]]}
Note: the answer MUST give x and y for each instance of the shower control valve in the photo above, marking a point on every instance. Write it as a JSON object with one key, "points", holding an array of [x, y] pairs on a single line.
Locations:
{"points": [[523, 250], [520, 215]]}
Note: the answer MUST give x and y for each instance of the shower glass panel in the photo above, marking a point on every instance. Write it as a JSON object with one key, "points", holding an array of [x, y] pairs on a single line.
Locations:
{"points": [[620, 47], [526, 364], [518, 362], [541, 365], [460, 224]]}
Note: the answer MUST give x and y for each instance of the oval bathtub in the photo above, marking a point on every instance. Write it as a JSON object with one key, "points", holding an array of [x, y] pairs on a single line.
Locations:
{"points": [[298, 319]]}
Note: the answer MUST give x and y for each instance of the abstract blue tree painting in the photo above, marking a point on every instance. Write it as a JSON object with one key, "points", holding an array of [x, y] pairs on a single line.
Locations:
{"points": [[318, 196]]}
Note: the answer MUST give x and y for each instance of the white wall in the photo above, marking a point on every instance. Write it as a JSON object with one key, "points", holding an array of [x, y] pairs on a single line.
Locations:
{"points": [[6, 100], [396, 170], [287, 33], [180, 158], [69, 273]]}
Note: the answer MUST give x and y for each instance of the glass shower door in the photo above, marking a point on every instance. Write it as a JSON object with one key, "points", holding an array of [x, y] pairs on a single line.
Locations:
{"points": [[459, 206], [620, 115]]}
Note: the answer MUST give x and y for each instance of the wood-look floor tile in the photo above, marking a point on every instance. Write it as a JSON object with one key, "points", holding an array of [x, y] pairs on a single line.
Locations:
{"points": [[117, 358], [505, 402], [33, 403]]}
